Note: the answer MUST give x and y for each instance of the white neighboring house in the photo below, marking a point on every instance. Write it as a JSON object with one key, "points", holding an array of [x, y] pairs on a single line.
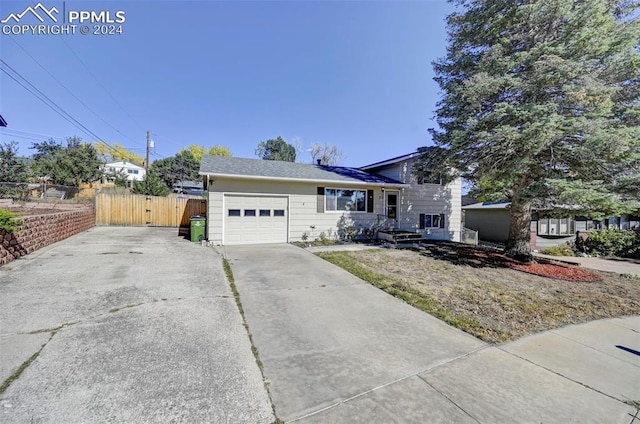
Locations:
{"points": [[131, 170], [254, 201]]}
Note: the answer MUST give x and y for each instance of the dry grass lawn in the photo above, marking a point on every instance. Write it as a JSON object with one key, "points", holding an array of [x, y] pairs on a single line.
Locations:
{"points": [[495, 304]]}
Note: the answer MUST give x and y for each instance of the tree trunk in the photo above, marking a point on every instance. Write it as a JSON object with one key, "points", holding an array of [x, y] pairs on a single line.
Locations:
{"points": [[519, 241]]}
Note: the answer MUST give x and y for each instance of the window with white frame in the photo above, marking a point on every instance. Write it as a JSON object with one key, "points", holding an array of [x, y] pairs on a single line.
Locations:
{"points": [[340, 199], [431, 220]]}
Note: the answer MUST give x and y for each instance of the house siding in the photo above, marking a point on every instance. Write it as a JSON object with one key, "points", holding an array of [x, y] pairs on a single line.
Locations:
{"points": [[426, 199], [302, 204], [491, 224]]}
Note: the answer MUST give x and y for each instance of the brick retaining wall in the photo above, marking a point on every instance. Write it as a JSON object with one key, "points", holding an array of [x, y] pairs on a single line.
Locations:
{"points": [[38, 231]]}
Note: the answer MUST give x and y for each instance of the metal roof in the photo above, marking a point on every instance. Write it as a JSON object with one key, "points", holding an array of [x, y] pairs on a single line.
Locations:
{"points": [[260, 169]]}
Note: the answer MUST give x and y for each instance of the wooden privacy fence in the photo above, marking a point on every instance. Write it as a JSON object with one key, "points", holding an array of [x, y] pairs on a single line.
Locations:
{"points": [[131, 209]]}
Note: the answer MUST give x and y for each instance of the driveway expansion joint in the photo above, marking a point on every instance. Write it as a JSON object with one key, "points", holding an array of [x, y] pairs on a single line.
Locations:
{"points": [[467, 413], [566, 377], [591, 347], [398, 380]]}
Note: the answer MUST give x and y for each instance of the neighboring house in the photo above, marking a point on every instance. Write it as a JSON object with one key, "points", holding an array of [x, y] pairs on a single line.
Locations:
{"points": [[131, 170], [3, 123], [492, 220], [194, 188], [262, 201]]}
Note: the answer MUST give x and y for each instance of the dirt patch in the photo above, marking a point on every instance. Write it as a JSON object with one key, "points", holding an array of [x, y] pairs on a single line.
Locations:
{"points": [[493, 300], [41, 209]]}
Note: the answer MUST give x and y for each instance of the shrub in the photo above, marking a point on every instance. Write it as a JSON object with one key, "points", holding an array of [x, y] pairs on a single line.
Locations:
{"points": [[560, 250], [625, 244], [8, 221]]}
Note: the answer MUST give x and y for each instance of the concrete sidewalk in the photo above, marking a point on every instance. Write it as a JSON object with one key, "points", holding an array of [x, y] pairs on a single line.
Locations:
{"points": [[336, 349], [125, 325], [617, 266]]}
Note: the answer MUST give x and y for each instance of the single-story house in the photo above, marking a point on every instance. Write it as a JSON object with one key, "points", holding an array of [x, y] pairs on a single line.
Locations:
{"points": [[260, 201], [492, 220], [132, 171]]}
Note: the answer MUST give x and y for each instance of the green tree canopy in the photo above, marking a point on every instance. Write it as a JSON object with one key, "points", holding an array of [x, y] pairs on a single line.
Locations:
{"points": [[152, 185], [182, 166], [13, 168], [541, 104], [70, 164], [277, 149]]}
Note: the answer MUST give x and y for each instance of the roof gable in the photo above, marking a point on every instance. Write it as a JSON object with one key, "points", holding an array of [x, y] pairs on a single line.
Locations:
{"points": [[222, 166], [391, 161]]}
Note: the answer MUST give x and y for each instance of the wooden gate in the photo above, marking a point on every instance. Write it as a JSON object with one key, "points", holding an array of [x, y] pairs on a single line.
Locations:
{"points": [[132, 209]]}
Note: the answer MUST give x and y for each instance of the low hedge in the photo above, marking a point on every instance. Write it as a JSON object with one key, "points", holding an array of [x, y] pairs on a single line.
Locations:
{"points": [[624, 244]]}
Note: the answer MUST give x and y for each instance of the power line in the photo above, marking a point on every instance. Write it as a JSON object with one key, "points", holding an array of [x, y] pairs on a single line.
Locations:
{"points": [[67, 89], [15, 132], [25, 137], [27, 85], [99, 83]]}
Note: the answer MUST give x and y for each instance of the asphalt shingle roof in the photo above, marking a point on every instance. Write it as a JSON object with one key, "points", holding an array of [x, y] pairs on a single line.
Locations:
{"points": [[279, 170]]}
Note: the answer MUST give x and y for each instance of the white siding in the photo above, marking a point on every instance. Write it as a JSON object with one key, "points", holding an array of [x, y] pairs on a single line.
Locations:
{"points": [[304, 218], [249, 226], [132, 171], [426, 199], [302, 207]]}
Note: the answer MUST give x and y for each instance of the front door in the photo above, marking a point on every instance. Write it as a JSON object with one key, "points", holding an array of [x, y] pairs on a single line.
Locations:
{"points": [[392, 207]]}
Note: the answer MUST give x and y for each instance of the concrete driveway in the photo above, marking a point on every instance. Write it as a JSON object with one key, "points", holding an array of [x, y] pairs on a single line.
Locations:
{"points": [[338, 350], [125, 325]]}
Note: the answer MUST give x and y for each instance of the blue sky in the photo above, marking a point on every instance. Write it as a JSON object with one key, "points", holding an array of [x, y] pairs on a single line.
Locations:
{"points": [[357, 75]]}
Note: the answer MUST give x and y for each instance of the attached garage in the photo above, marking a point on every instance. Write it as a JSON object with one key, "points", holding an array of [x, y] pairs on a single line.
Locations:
{"points": [[255, 201], [255, 219]]}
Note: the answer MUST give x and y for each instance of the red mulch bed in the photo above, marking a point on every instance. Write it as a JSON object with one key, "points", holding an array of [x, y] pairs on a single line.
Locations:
{"points": [[479, 257], [561, 272]]}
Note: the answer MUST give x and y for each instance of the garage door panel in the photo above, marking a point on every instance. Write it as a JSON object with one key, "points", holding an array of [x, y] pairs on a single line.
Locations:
{"points": [[256, 219]]}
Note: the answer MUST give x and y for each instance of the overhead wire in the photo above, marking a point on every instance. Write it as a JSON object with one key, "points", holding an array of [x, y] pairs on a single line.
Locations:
{"points": [[25, 135], [29, 133], [27, 85], [67, 89], [99, 83]]}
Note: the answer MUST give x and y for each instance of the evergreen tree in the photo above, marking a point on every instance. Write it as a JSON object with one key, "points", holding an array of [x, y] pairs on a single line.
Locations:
{"points": [[13, 168], [152, 185], [541, 105]]}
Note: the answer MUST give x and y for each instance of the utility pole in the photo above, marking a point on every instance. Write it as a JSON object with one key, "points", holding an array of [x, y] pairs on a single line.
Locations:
{"points": [[146, 162]]}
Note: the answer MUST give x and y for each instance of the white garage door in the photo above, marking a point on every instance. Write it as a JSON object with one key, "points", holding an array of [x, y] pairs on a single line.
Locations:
{"points": [[255, 219]]}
